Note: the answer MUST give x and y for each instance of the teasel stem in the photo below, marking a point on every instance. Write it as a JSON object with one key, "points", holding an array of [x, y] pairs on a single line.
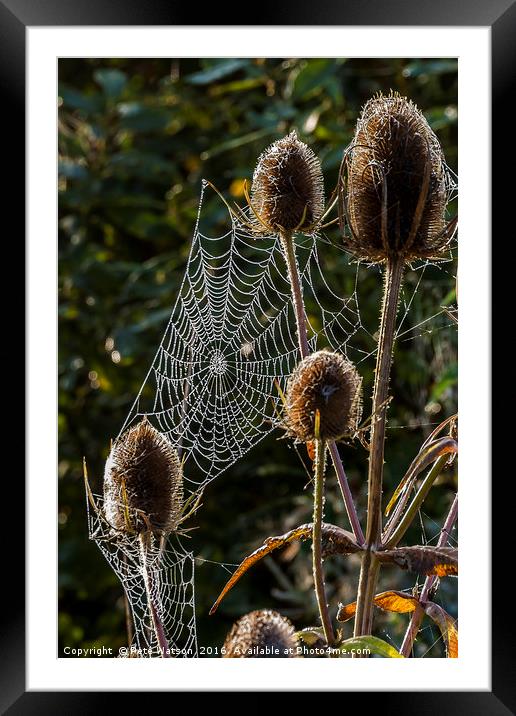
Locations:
{"points": [[370, 568], [346, 492], [320, 591], [157, 624], [128, 615], [418, 613], [366, 591], [289, 252]]}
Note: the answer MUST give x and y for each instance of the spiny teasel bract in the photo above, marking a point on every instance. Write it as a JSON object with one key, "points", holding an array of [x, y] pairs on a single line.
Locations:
{"points": [[327, 382], [143, 482], [258, 635], [288, 188], [396, 184]]}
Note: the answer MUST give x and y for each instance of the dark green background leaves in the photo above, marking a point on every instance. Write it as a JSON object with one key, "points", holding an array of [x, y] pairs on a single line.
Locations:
{"points": [[136, 136]]}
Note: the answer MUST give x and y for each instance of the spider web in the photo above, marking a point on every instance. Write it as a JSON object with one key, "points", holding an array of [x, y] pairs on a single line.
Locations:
{"points": [[214, 387], [167, 568], [214, 390]]}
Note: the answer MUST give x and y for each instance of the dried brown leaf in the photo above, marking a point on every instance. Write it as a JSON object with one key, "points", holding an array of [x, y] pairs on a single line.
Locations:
{"points": [[268, 546], [335, 541], [448, 627], [391, 601], [438, 561]]}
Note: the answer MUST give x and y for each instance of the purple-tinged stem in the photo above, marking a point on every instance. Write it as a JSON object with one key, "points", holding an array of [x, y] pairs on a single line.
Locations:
{"points": [[418, 613], [370, 567], [346, 493], [289, 253]]}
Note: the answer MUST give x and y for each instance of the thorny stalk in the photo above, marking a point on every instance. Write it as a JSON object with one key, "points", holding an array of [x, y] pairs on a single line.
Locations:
{"points": [[370, 567], [317, 560], [157, 624], [289, 253]]}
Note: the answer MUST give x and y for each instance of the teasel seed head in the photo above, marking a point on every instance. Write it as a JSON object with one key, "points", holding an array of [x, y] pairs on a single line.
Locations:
{"points": [[259, 630], [143, 482], [396, 184], [288, 188], [329, 383]]}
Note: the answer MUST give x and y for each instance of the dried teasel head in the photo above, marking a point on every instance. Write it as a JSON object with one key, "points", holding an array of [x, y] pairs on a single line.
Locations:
{"points": [[143, 482], [329, 383], [261, 634], [395, 184], [288, 188]]}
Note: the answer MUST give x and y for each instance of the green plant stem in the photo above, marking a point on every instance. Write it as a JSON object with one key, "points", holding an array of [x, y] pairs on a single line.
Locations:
{"points": [[317, 560], [287, 243], [370, 568], [420, 496], [418, 613], [157, 624]]}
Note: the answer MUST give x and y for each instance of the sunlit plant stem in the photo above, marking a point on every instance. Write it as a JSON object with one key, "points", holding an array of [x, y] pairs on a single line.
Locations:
{"points": [[317, 562], [157, 624], [370, 566], [287, 243]]}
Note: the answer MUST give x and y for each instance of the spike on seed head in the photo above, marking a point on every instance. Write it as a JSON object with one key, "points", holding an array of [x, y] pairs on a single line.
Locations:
{"points": [[329, 383], [257, 631], [288, 187], [397, 184], [143, 482]]}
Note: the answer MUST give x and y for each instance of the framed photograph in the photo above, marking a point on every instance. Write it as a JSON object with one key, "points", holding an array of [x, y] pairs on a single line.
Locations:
{"points": [[246, 364]]}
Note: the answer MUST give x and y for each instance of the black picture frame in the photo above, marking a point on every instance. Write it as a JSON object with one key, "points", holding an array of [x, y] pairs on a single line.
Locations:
{"points": [[500, 16]]}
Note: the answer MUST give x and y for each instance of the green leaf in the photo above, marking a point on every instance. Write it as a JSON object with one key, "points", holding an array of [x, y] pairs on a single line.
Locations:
{"points": [[236, 142], [135, 163], [446, 380], [72, 170], [312, 77], [432, 67], [237, 86], [311, 635], [428, 454], [221, 69], [112, 81], [141, 118], [373, 644], [74, 99]]}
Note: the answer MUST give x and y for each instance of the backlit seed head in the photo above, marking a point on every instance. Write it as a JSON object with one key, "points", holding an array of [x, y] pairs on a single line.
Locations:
{"points": [[259, 631], [143, 482], [288, 188], [396, 184], [327, 382]]}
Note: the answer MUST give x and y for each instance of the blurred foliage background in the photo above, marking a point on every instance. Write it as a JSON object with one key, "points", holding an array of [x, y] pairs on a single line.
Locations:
{"points": [[136, 136]]}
